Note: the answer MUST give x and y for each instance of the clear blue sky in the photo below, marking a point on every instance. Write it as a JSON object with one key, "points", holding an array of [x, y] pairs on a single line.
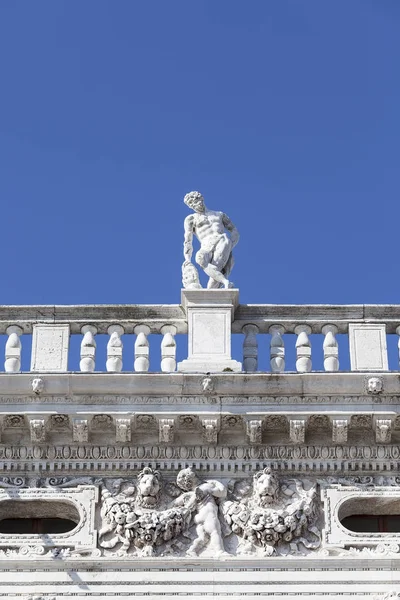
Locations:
{"points": [[283, 113]]}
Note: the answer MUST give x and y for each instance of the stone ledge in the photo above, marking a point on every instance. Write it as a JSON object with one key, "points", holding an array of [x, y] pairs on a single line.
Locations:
{"points": [[223, 384]]}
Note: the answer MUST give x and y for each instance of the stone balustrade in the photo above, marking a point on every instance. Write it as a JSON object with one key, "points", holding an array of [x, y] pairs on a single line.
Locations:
{"points": [[209, 318]]}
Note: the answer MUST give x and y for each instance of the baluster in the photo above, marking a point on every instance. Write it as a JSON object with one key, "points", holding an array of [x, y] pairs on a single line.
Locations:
{"points": [[250, 348], [168, 349], [88, 349], [114, 349], [303, 348], [398, 343], [142, 362], [330, 345], [12, 363], [277, 349]]}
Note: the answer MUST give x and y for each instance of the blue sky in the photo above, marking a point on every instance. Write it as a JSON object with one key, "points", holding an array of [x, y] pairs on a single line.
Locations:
{"points": [[283, 113]]}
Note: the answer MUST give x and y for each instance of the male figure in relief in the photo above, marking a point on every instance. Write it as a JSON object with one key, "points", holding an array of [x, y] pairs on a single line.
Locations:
{"points": [[215, 254]]}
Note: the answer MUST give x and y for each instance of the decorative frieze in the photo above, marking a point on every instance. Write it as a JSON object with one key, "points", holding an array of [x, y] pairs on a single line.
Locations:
{"points": [[262, 515]]}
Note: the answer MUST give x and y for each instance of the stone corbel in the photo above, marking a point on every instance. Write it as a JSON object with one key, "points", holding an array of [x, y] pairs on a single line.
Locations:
{"points": [[340, 428], [38, 430], [210, 429], [254, 431], [383, 431], [80, 430], [123, 431], [297, 430], [166, 430]]}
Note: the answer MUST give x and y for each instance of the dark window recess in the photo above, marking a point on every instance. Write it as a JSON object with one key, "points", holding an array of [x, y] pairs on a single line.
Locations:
{"points": [[38, 526], [37, 517], [372, 523]]}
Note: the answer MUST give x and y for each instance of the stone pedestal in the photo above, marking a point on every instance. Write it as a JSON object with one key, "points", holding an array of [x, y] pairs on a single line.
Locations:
{"points": [[209, 314]]}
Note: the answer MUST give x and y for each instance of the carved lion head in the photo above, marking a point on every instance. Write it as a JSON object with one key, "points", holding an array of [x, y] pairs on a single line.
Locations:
{"points": [[265, 486], [148, 487]]}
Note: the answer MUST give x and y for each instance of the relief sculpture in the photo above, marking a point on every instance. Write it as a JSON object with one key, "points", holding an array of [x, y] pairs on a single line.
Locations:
{"points": [[271, 517], [193, 517]]}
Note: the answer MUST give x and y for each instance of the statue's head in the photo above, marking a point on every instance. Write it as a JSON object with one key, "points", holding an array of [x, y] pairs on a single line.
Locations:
{"points": [[266, 486], [187, 479], [195, 201], [190, 276]]}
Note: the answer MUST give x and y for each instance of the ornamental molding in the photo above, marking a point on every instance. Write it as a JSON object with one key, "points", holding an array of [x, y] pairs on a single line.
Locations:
{"points": [[110, 399], [302, 456]]}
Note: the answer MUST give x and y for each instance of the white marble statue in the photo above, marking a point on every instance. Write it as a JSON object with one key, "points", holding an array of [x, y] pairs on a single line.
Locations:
{"points": [[215, 254], [201, 497]]}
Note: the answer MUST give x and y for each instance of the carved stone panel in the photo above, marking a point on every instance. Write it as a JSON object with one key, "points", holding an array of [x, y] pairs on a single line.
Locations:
{"points": [[368, 350], [50, 347]]}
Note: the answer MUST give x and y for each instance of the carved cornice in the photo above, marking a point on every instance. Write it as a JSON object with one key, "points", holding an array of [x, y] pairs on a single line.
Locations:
{"points": [[245, 400], [71, 458], [257, 425]]}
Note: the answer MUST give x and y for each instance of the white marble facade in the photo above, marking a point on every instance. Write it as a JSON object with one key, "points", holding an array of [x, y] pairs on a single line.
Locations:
{"points": [[207, 478]]}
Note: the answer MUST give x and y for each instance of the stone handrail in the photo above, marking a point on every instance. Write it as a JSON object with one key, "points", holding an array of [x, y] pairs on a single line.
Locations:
{"points": [[316, 316], [51, 326]]}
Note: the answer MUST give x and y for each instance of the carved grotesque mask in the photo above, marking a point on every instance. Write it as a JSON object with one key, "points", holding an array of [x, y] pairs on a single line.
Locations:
{"points": [[374, 385], [37, 385]]}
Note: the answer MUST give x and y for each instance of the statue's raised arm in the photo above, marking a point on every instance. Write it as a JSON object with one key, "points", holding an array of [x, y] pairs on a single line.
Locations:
{"points": [[215, 254]]}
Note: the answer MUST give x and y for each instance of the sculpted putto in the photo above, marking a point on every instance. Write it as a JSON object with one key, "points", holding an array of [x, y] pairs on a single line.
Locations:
{"points": [[215, 254], [201, 497]]}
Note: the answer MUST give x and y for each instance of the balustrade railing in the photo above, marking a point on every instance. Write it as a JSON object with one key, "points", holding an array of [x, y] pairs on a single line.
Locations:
{"points": [[367, 327]]}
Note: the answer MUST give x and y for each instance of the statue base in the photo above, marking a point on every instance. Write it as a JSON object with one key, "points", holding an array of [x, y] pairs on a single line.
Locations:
{"points": [[210, 314]]}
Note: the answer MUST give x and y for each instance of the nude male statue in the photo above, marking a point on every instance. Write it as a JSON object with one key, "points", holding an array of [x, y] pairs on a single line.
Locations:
{"points": [[201, 496], [215, 254]]}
